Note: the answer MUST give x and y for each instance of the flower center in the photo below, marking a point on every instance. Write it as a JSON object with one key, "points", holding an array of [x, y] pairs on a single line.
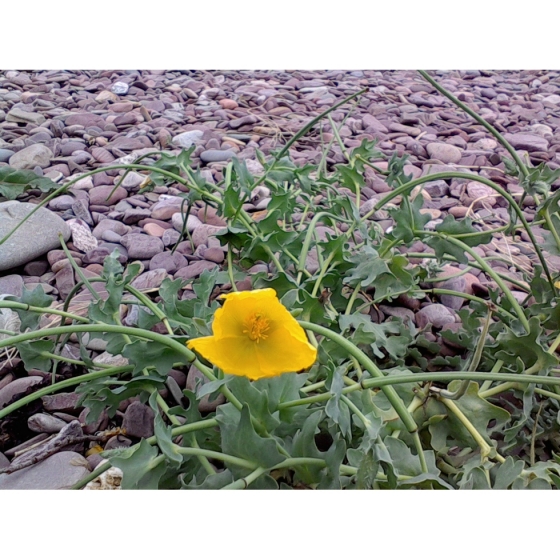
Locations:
{"points": [[256, 327]]}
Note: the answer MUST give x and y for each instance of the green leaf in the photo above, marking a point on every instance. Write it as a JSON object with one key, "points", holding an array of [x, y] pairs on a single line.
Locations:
{"points": [[240, 439], [463, 231], [30, 353], [367, 471], [163, 434], [33, 298], [211, 481], [334, 409], [142, 353], [368, 266], [526, 347], [140, 466], [303, 445], [479, 412], [14, 182], [507, 472]]}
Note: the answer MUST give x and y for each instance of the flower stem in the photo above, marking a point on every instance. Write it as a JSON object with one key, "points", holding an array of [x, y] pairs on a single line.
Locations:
{"points": [[353, 350]]}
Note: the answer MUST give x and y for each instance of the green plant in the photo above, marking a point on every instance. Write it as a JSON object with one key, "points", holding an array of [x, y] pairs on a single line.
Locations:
{"points": [[371, 412]]}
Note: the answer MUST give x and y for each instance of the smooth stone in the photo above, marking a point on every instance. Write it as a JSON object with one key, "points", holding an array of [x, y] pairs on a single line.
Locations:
{"points": [[446, 153], [192, 222], [61, 402], [32, 156], [81, 211], [187, 139], [119, 88], [11, 284], [214, 254], [45, 423], [37, 235], [203, 232], [170, 237], [57, 472], [194, 270], [211, 156], [17, 387], [436, 314], [229, 104], [110, 225], [151, 279], [138, 420], [61, 203], [170, 262], [84, 119], [5, 155], [19, 116], [141, 246], [154, 230], [98, 195], [457, 284], [529, 142]]}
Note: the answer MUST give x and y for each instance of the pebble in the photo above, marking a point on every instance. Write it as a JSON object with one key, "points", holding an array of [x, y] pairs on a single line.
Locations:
{"points": [[446, 153], [210, 156], [17, 388], [34, 238], [45, 423], [138, 420], [140, 246], [436, 314], [31, 157], [187, 139], [119, 88], [58, 472]]}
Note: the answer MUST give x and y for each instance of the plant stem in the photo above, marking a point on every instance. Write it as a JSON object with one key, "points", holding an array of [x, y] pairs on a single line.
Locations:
{"points": [[353, 350]]}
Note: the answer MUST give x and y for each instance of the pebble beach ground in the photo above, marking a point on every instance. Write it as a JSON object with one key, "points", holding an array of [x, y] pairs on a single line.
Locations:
{"points": [[61, 124]]}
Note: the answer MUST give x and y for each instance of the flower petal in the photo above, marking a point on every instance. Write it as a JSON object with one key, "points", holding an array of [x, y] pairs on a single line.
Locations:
{"points": [[283, 346], [234, 355]]}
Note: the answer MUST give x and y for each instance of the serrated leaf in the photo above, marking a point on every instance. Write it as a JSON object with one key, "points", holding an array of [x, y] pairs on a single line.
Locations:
{"points": [[30, 353], [140, 467], [163, 434], [303, 445], [142, 353], [241, 440], [14, 182], [33, 298], [507, 472], [527, 347]]}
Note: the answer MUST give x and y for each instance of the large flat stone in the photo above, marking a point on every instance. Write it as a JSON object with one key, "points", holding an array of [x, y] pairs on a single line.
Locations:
{"points": [[58, 472], [37, 235]]}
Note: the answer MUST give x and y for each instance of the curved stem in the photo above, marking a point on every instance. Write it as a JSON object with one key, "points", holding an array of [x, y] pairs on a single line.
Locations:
{"points": [[364, 360], [63, 385]]}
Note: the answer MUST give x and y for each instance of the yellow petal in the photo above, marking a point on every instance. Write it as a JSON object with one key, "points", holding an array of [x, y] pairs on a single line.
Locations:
{"points": [[240, 346]]}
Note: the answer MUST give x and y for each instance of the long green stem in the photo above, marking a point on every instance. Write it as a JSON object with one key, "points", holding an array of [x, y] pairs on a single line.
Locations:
{"points": [[63, 385], [422, 377], [364, 360]]}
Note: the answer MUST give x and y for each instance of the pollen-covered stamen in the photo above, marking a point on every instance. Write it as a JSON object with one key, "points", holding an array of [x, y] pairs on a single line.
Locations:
{"points": [[256, 327]]}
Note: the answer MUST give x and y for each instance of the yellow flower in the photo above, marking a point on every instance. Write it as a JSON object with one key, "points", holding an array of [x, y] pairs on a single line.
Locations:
{"points": [[255, 335]]}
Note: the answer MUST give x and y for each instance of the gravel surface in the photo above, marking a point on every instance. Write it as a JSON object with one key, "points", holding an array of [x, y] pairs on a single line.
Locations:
{"points": [[63, 123]]}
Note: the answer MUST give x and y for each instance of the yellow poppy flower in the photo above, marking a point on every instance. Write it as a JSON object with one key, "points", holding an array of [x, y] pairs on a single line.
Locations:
{"points": [[255, 335]]}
